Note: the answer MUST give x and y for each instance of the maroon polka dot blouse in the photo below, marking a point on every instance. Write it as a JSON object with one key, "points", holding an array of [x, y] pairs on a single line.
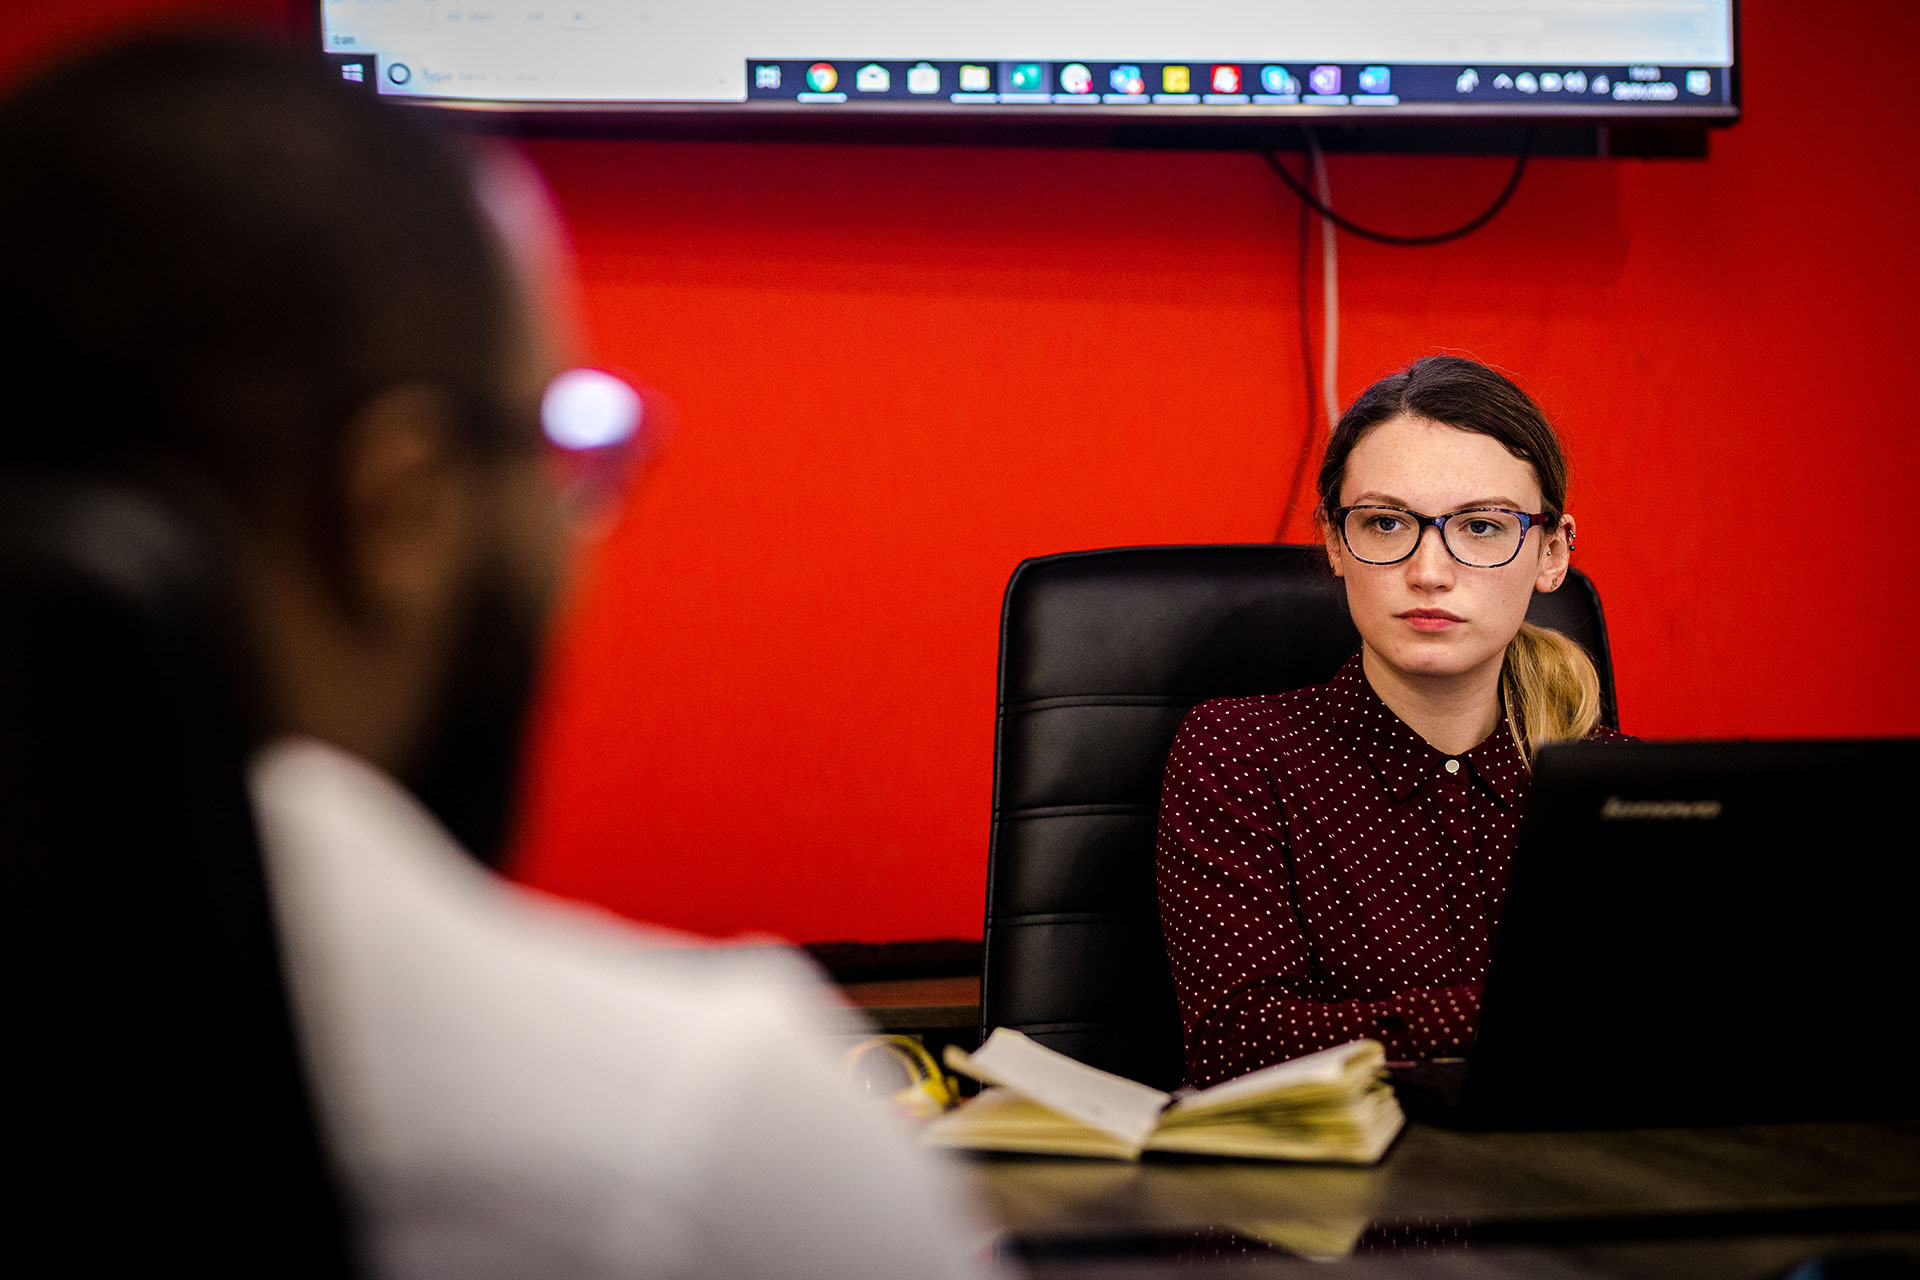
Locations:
{"points": [[1326, 875]]}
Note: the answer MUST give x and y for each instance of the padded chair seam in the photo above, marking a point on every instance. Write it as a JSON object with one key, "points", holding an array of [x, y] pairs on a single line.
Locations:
{"points": [[1077, 811], [1025, 918], [1053, 701]]}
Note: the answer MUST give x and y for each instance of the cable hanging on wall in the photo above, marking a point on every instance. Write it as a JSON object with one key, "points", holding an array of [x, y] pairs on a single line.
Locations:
{"points": [[1320, 202], [1473, 224]]}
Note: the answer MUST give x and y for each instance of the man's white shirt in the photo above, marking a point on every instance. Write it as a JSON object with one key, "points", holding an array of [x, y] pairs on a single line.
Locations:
{"points": [[513, 1086]]}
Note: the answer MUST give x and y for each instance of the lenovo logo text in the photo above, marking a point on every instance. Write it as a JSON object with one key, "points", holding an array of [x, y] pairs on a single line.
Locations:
{"points": [[1618, 810]]}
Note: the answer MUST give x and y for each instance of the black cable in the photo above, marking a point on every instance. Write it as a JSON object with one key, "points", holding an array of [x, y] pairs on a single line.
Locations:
{"points": [[1410, 242]]}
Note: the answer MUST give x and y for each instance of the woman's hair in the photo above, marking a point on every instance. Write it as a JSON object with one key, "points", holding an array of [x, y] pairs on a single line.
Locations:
{"points": [[1549, 685]]}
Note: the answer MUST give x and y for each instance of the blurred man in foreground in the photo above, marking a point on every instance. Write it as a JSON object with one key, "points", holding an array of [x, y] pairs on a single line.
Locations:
{"points": [[234, 282]]}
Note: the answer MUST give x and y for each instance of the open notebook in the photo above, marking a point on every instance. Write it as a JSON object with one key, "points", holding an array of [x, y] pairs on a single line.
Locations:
{"points": [[1329, 1106]]}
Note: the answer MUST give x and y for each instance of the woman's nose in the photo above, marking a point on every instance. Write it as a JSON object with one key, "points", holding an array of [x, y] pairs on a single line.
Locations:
{"points": [[1430, 562]]}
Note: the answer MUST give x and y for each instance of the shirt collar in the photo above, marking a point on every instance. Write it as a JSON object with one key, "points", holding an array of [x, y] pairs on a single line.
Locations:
{"points": [[1403, 759]]}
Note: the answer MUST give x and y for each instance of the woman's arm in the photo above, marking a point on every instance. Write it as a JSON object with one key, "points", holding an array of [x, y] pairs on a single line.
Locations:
{"points": [[1244, 964]]}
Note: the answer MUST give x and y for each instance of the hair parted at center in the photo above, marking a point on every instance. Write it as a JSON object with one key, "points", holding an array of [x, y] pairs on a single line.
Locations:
{"points": [[1547, 682]]}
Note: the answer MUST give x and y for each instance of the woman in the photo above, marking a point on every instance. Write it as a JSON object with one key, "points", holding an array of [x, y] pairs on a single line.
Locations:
{"points": [[1331, 860]]}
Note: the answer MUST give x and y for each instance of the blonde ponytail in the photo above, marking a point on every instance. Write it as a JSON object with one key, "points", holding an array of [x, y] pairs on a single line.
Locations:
{"points": [[1551, 689]]}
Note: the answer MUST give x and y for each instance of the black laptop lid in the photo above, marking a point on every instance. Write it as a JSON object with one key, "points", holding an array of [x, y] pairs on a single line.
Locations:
{"points": [[1707, 931]]}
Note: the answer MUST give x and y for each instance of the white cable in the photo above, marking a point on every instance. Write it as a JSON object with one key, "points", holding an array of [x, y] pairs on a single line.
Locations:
{"points": [[1330, 286]]}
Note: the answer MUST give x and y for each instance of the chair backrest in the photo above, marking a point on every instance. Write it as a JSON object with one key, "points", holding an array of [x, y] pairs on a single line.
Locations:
{"points": [[161, 1108], [1101, 655]]}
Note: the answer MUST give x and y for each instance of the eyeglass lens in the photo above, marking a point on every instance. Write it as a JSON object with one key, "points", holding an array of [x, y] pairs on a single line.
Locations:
{"points": [[599, 430], [1481, 539]]}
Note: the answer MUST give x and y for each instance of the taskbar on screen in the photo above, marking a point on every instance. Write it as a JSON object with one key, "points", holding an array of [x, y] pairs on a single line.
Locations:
{"points": [[833, 82]]}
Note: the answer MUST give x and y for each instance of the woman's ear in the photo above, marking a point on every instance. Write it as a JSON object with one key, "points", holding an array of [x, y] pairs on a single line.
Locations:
{"points": [[1557, 557], [1329, 540]]}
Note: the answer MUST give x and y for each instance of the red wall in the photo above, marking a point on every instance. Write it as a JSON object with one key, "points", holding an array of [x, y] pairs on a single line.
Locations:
{"points": [[898, 371]]}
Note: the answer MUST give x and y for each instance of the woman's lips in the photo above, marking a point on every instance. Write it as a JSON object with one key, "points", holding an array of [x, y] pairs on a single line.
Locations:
{"points": [[1430, 619]]}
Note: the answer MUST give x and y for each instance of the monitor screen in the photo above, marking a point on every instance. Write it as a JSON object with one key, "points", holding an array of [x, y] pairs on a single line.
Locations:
{"points": [[1204, 61]]}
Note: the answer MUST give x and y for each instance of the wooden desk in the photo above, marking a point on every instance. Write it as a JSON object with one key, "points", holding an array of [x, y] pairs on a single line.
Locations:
{"points": [[1740, 1201], [911, 1005]]}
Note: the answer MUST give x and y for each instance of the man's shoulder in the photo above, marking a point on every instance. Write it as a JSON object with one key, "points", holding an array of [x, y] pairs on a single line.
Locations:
{"points": [[502, 1053], [368, 883]]}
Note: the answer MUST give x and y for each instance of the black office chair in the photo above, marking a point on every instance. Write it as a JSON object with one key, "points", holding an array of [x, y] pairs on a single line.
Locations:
{"points": [[1101, 655], [158, 1109]]}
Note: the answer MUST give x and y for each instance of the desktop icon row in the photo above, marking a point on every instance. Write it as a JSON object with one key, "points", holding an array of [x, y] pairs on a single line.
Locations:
{"points": [[1074, 79], [1214, 83]]}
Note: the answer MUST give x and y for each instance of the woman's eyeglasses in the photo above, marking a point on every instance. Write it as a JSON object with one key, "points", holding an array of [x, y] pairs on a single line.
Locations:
{"points": [[1479, 537]]}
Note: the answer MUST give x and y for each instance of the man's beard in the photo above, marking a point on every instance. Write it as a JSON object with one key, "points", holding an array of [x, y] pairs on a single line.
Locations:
{"points": [[466, 769]]}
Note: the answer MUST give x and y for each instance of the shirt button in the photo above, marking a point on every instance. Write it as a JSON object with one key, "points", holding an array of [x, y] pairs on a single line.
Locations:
{"points": [[1453, 766]]}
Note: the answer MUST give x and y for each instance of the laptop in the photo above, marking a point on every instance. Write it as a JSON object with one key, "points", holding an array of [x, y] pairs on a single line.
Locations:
{"points": [[1696, 933]]}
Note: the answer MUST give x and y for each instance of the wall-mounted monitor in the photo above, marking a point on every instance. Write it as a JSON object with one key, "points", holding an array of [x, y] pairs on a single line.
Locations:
{"points": [[1235, 69]]}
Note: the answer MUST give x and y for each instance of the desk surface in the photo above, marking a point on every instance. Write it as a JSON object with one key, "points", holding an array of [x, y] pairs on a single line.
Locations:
{"points": [[1640, 1202], [918, 1004]]}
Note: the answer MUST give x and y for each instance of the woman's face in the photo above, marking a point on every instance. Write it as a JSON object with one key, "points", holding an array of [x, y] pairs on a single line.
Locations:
{"points": [[1429, 616]]}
